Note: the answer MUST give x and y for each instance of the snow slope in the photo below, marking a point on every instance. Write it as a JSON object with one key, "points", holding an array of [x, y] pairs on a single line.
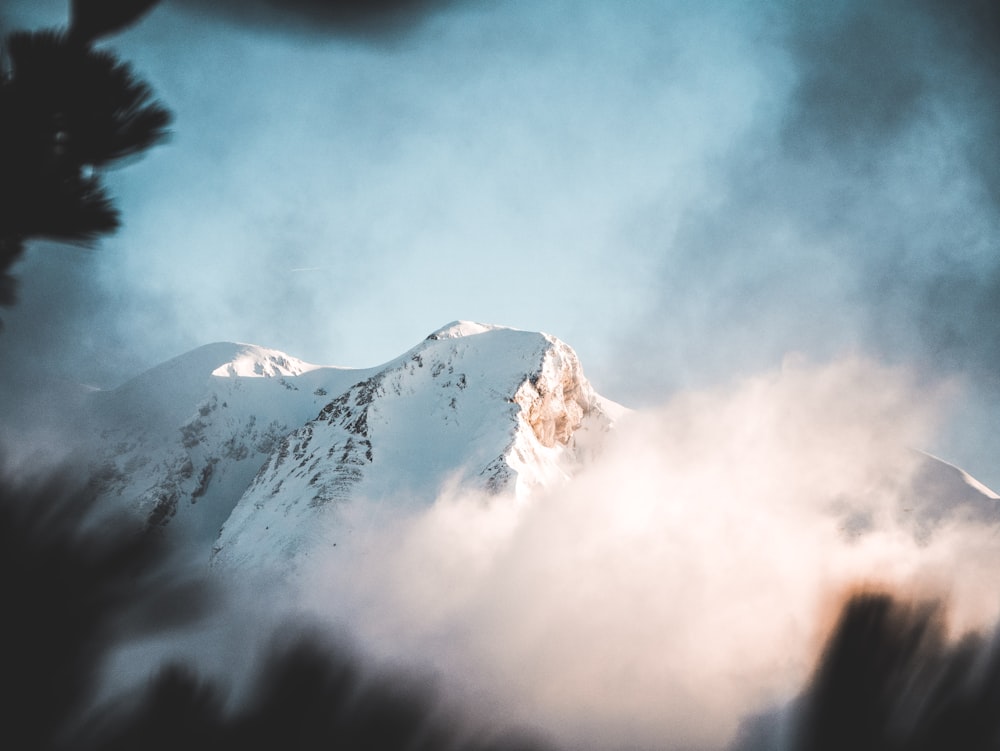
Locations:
{"points": [[268, 447], [181, 442]]}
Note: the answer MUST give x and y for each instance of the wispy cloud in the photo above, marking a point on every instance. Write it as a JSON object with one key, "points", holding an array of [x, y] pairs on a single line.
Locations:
{"points": [[684, 581]]}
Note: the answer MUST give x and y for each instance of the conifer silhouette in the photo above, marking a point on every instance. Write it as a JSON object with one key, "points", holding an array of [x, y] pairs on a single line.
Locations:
{"points": [[92, 19], [68, 111]]}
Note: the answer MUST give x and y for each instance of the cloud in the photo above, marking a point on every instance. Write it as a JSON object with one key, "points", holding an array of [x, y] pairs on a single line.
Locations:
{"points": [[679, 583], [856, 212], [858, 83], [867, 73], [896, 100], [601, 619]]}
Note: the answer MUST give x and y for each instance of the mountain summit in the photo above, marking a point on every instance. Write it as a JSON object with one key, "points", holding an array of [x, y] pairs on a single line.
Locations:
{"points": [[270, 448]]}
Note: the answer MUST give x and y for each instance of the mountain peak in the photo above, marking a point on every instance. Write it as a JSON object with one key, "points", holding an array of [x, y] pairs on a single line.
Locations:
{"points": [[492, 408], [252, 361], [457, 329]]}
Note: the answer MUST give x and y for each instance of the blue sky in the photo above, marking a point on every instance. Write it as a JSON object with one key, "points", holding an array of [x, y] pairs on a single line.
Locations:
{"points": [[685, 192]]}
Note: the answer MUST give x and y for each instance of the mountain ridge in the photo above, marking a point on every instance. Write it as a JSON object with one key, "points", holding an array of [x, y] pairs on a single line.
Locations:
{"points": [[208, 440]]}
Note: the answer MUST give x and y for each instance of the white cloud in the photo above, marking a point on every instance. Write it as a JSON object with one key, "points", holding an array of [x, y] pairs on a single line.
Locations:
{"points": [[686, 578]]}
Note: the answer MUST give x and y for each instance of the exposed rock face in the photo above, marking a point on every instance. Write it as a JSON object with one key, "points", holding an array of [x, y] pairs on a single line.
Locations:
{"points": [[555, 401]]}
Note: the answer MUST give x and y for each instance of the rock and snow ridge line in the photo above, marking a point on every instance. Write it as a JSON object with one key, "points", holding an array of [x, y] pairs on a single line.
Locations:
{"points": [[267, 446]]}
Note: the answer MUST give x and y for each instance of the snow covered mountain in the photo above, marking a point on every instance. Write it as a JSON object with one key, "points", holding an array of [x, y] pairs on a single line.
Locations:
{"points": [[266, 447], [255, 457]]}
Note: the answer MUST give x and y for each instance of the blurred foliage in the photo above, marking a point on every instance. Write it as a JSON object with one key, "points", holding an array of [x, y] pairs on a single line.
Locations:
{"points": [[67, 112]]}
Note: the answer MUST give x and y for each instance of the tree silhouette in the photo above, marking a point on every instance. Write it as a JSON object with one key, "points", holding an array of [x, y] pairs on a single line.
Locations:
{"points": [[92, 19], [890, 681], [68, 111]]}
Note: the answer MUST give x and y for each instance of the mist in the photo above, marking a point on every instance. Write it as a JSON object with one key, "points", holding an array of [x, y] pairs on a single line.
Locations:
{"points": [[685, 580], [694, 586], [771, 228]]}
